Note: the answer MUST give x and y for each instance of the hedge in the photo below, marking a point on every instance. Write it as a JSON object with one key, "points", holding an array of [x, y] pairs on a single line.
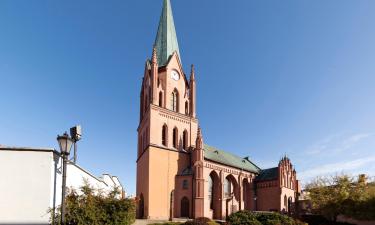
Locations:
{"points": [[249, 218]]}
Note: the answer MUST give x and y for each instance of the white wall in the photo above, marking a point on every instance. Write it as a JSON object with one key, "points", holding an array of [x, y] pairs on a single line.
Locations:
{"points": [[76, 177], [25, 186], [31, 183]]}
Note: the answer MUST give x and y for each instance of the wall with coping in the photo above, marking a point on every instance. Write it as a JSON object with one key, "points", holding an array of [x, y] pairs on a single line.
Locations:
{"points": [[31, 184], [26, 186]]}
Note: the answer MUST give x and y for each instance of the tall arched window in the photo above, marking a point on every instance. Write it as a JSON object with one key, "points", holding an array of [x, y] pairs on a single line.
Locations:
{"points": [[175, 137], [210, 191], [185, 140], [160, 99], [186, 108], [144, 140], [285, 202], [145, 103], [174, 100], [227, 188], [139, 146], [164, 135]]}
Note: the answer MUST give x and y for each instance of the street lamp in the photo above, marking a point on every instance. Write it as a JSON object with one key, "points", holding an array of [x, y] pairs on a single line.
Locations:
{"points": [[255, 201], [65, 143]]}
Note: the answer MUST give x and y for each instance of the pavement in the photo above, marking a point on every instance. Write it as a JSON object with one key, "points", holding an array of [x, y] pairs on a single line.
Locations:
{"points": [[145, 222]]}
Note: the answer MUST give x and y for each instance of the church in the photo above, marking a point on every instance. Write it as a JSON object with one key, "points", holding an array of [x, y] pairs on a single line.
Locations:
{"points": [[178, 174]]}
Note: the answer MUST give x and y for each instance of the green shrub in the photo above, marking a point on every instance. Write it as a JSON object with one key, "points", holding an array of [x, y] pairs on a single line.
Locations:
{"points": [[243, 218], [89, 208], [250, 218], [274, 219], [201, 221], [167, 223]]}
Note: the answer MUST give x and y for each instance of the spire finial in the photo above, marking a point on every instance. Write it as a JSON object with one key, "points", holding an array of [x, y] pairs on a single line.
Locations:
{"points": [[192, 73], [154, 59], [199, 144]]}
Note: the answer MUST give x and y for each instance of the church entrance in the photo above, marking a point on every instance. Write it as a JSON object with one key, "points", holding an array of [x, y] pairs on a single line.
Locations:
{"points": [[246, 194], [185, 207], [289, 210], [141, 207]]}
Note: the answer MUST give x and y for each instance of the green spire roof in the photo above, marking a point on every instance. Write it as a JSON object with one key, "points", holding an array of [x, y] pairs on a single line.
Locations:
{"points": [[166, 39]]}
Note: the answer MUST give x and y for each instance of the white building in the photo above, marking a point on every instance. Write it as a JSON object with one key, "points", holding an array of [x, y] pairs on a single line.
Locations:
{"points": [[31, 180]]}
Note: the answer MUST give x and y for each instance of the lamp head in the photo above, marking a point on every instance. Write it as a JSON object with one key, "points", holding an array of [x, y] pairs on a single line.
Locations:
{"points": [[65, 143]]}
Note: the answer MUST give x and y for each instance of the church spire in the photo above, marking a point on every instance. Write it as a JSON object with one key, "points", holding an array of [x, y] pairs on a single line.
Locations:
{"points": [[166, 39]]}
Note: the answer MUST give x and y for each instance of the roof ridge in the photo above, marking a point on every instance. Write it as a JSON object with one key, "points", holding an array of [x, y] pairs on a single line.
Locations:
{"points": [[270, 168], [230, 162]]}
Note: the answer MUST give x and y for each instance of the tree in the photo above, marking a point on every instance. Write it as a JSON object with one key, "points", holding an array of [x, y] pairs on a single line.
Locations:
{"points": [[340, 194]]}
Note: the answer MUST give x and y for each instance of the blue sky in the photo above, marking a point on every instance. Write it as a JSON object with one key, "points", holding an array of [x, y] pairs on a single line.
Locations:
{"points": [[273, 77]]}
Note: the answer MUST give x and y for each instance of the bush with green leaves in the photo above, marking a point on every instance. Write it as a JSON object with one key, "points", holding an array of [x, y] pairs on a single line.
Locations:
{"points": [[274, 219], [93, 207], [197, 221], [243, 218], [167, 223], [250, 218], [201, 221]]}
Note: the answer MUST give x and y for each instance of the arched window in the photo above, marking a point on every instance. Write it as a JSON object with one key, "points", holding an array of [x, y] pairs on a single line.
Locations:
{"points": [[175, 137], [185, 140], [289, 207], [164, 135], [145, 104], [174, 101], [227, 188], [248, 196], [144, 141], [186, 108], [139, 146], [149, 95], [210, 191], [285, 202], [160, 99], [185, 184]]}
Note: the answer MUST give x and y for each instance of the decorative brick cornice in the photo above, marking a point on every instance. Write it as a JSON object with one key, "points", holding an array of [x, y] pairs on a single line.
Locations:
{"points": [[173, 115], [234, 171]]}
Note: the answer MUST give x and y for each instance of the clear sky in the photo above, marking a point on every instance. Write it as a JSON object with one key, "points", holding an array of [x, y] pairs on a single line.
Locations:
{"points": [[273, 77]]}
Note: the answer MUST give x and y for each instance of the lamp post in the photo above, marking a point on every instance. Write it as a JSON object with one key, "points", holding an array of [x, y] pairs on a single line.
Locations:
{"points": [[75, 134], [65, 143], [255, 201], [232, 197]]}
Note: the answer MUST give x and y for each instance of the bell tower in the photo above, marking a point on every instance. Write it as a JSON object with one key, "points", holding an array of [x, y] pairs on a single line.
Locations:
{"points": [[168, 125]]}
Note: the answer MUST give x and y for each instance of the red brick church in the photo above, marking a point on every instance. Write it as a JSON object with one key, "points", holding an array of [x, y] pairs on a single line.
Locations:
{"points": [[178, 175]]}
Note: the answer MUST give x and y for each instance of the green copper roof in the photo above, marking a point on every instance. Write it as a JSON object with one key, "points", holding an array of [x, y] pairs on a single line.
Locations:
{"points": [[268, 174], [226, 158], [166, 39]]}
